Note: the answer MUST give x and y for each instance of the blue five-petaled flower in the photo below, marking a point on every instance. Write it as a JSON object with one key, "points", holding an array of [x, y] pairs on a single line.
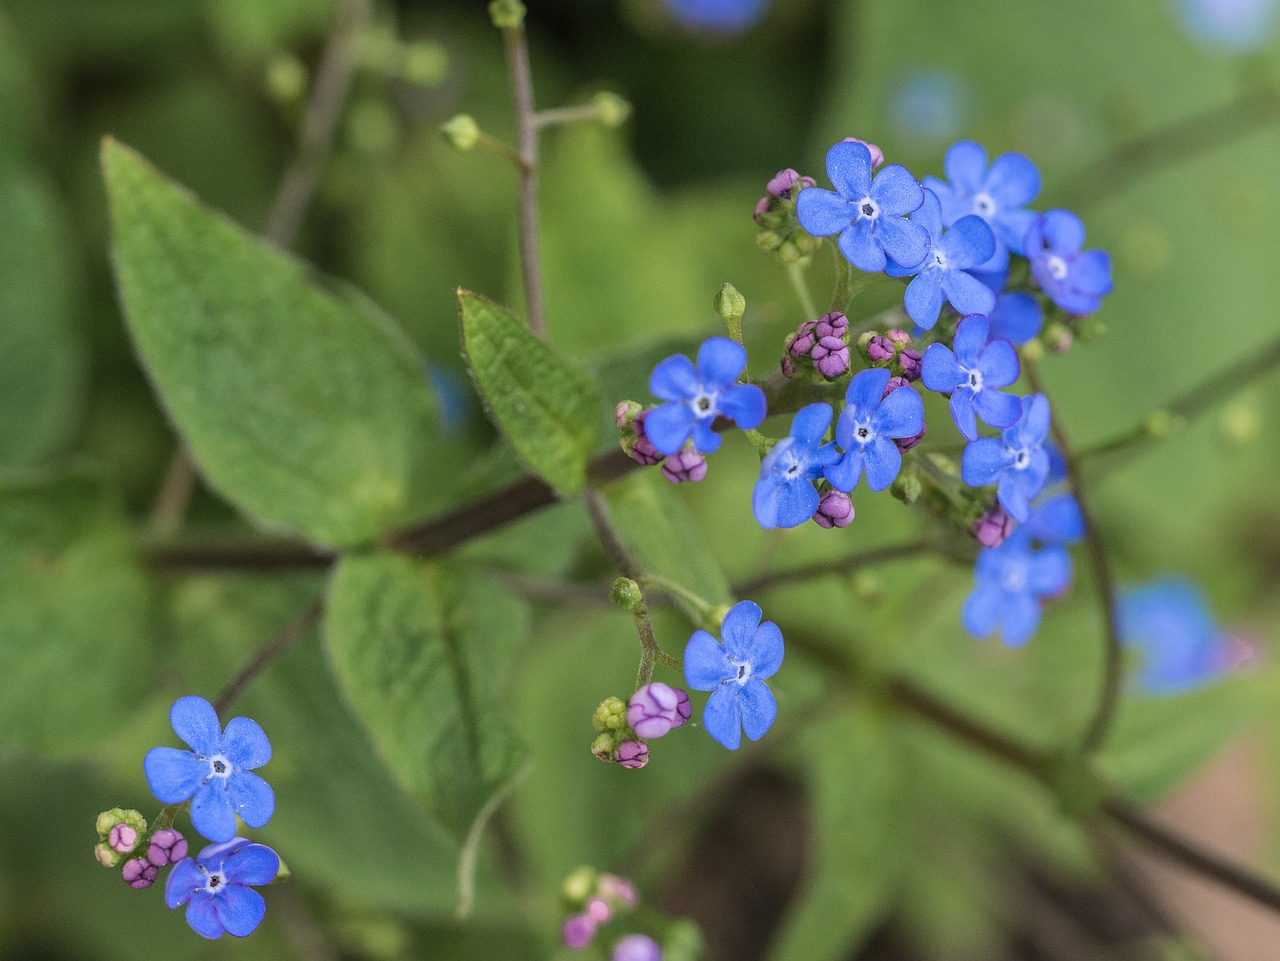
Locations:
{"points": [[866, 429], [1011, 580], [868, 214], [944, 275], [216, 775], [1075, 279], [1169, 622], [784, 496], [972, 373], [696, 395], [734, 672], [215, 887], [1017, 463]]}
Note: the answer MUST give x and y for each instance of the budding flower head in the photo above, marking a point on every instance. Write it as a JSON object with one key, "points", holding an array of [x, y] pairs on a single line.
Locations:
{"points": [[506, 14], [612, 110], [462, 131], [140, 873], [118, 816], [992, 527], [632, 754], [122, 838], [625, 413], [830, 355], [106, 855], [656, 709], [637, 947], [835, 509], [578, 931], [602, 746], [877, 155], [618, 889], [166, 847], [730, 304], [611, 715], [686, 466]]}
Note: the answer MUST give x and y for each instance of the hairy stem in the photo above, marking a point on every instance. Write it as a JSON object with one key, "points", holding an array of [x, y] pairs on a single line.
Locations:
{"points": [[517, 47]]}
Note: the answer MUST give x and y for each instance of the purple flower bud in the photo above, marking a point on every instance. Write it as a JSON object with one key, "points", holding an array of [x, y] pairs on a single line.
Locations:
{"points": [[624, 414], [683, 708], [620, 889], [803, 341], [780, 184], [632, 754], [877, 155], [909, 361], [835, 509], [637, 947], [687, 465], [881, 349], [788, 368], [831, 356], [904, 444], [898, 336], [834, 324], [140, 873], [762, 207], [993, 527], [578, 931], [167, 847], [598, 910], [122, 838], [642, 450], [655, 709]]}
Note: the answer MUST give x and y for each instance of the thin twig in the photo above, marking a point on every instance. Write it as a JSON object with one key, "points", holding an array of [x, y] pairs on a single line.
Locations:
{"points": [[838, 565], [175, 493], [517, 47], [578, 113], [268, 653]]}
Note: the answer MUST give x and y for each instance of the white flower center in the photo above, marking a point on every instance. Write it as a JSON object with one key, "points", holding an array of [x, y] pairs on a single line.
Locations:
{"points": [[744, 672], [704, 404], [219, 766], [863, 434], [984, 206], [1057, 266], [1021, 459], [1014, 578], [868, 208], [939, 259], [216, 883], [974, 383]]}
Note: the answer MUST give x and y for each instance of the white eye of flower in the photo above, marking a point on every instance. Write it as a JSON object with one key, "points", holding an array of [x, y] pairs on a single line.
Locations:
{"points": [[1057, 267], [983, 205], [868, 208]]}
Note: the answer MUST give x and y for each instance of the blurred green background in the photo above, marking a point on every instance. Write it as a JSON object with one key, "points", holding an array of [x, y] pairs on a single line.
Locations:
{"points": [[852, 826]]}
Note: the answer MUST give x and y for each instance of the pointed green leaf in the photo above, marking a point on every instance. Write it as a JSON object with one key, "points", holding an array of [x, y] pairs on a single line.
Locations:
{"points": [[301, 409], [547, 407], [420, 652]]}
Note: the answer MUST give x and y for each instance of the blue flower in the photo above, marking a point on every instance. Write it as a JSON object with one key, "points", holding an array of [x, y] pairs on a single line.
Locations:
{"points": [[869, 215], [944, 273], [784, 496], [997, 194], [215, 887], [1054, 520], [216, 774], [1230, 26], [972, 375], [720, 16], [1075, 279], [1010, 581], [866, 429], [1016, 317], [735, 672], [1017, 463], [696, 395], [1170, 624]]}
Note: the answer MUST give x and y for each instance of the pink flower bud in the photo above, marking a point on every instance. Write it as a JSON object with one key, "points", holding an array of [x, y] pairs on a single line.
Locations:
{"points": [[992, 527], [633, 754], [140, 873], [123, 838], [835, 509], [578, 931], [877, 155], [687, 465]]}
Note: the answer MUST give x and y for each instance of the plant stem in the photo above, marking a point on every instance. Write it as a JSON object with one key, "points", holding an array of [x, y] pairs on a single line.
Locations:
{"points": [[840, 565], [578, 113], [517, 47], [795, 272], [268, 653], [840, 295], [679, 591]]}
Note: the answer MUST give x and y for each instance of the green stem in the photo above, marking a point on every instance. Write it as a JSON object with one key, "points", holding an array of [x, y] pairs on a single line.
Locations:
{"points": [[517, 49], [841, 565], [566, 115], [702, 606], [795, 271], [502, 149], [840, 295]]}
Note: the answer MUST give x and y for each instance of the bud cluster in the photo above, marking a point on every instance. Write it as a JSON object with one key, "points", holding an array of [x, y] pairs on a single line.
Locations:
{"points": [[822, 344], [654, 710], [780, 232], [594, 900], [892, 349], [122, 832], [686, 465]]}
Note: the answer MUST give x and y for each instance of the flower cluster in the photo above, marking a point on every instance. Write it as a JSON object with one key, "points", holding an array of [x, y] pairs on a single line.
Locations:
{"points": [[623, 730], [595, 900]]}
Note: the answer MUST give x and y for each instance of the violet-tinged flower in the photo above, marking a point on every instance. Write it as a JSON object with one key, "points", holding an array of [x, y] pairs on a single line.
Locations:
{"points": [[1017, 463], [943, 275], [216, 887], [686, 466], [993, 528], [784, 495], [1016, 317], [866, 429], [122, 838], [637, 947], [868, 213], [632, 754], [598, 910], [881, 350], [998, 194], [578, 931], [806, 336], [833, 324], [1168, 622], [166, 847], [718, 16], [787, 367], [735, 672], [905, 444], [139, 873], [696, 395], [835, 509], [216, 774], [1011, 580], [1074, 278], [972, 374], [780, 187], [656, 709]]}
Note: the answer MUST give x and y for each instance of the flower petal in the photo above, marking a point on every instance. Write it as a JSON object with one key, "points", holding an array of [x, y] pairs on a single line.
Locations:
{"points": [[823, 213], [245, 744], [253, 864], [997, 409], [861, 248], [969, 242], [883, 460], [757, 708], [765, 498], [983, 461], [962, 413], [744, 404], [252, 797], [863, 394], [202, 916], [1013, 180], [899, 193], [796, 503], [184, 880], [939, 370], [705, 439], [1033, 427], [240, 909], [721, 718], [810, 424], [720, 361], [196, 722], [668, 426], [1060, 231], [923, 299], [212, 813], [905, 242], [1057, 520], [971, 337], [849, 167], [966, 166], [1091, 272], [844, 475], [766, 650], [1019, 619], [1014, 494], [981, 610], [674, 379], [999, 364], [1049, 572], [901, 414], [739, 629], [966, 293], [705, 664], [173, 774], [1016, 318]]}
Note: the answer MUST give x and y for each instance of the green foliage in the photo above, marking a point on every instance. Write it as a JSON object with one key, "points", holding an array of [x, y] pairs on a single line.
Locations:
{"points": [[75, 616], [547, 408], [298, 408], [420, 652]]}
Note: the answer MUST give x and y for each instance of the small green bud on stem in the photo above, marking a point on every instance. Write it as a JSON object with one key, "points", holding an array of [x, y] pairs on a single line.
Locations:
{"points": [[627, 595], [462, 131], [731, 305], [507, 14], [612, 110]]}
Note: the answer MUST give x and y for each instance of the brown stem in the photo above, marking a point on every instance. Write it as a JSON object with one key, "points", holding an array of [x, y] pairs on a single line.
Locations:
{"points": [[517, 47], [839, 565], [175, 493], [268, 654]]}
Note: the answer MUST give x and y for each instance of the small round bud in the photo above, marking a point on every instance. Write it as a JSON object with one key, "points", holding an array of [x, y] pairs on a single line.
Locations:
{"points": [[730, 304], [898, 336], [906, 487], [462, 131], [788, 367], [122, 838], [654, 710], [716, 616], [909, 362], [637, 947], [166, 847], [286, 79], [598, 910], [627, 595], [880, 350], [506, 14], [618, 889], [865, 338], [992, 527], [602, 747], [425, 64], [632, 754], [106, 856], [140, 873], [612, 110], [578, 931], [1033, 351], [905, 444], [1057, 337], [801, 342], [624, 414], [877, 155], [611, 715], [686, 466], [834, 324], [116, 816], [835, 509], [578, 886], [1090, 330], [830, 356], [780, 184]]}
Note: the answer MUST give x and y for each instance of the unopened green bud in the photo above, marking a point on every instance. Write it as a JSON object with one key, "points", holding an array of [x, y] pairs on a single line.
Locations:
{"points": [[1241, 423], [602, 747], [128, 816], [462, 131], [626, 594], [578, 887], [1032, 351], [1161, 423], [944, 464], [906, 487], [612, 110], [506, 14], [867, 587], [730, 304], [611, 715], [1057, 337], [1091, 330], [286, 78], [425, 63], [107, 857], [768, 241], [788, 252]]}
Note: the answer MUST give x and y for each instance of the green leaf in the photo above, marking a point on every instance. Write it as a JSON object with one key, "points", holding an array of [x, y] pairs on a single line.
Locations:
{"points": [[76, 638], [547, 408], [299, 408], [420, 652]]}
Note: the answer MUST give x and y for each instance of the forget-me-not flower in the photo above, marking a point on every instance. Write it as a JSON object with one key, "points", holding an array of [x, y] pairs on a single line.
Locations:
{"points": [[734, 672], [696, 395], [868, 214], [1017, 463], [1054, 520], [867, 428], [1169, 622], [1016, 317], [944, 275], [972, 374], [784, 496], [1074, 278], [718, 16], [998, 194], [216, 775], [215, 887], [1010, 581]]}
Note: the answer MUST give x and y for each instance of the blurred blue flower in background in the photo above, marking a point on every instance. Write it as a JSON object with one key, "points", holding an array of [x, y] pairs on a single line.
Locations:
{"points": [[1232, 26], [719, 16], [928, 106], [1168, 622]]}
